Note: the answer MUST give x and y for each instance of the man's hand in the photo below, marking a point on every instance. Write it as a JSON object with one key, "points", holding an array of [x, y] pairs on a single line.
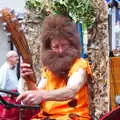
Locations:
{"points": [[31, 97], [25, 70], [28, 75]]}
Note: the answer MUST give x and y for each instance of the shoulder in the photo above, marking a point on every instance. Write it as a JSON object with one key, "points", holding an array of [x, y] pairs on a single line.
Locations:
{"points": [[4, 66], [80, 64]]}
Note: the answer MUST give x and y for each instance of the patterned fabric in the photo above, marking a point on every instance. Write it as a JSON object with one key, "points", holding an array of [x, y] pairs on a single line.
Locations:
{"points": [[112, 115], [9, 113], [75, 109], [15, 113]]}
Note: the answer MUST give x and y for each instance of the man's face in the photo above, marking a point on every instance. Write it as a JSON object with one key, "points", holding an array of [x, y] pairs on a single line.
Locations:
{"points": [[14, 59], [60, 57], [59, 46]]}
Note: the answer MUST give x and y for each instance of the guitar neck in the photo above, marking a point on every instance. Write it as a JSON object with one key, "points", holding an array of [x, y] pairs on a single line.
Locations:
{"points": [[18, 38]]}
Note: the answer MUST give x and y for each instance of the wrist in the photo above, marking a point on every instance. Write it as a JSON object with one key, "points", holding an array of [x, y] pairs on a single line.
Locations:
{"points": [[44, 94]]}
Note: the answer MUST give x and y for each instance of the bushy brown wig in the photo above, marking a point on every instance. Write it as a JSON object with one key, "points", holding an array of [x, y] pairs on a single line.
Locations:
{"points": [[58, 27]]}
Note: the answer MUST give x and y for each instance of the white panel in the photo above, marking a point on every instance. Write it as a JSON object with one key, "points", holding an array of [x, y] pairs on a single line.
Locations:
{"points": [[4, 45], [17, 5], [113, 29]]}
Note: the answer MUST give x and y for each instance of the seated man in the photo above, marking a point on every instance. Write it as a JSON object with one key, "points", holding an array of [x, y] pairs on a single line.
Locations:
{"points": [[63, 89]]}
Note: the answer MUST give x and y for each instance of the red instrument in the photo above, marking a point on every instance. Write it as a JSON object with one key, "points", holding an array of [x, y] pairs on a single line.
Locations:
{"points": [[112, 115]]}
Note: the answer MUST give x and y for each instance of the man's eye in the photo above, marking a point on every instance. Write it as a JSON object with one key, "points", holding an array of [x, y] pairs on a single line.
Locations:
{"points": [[65, 45], [55, 47]]}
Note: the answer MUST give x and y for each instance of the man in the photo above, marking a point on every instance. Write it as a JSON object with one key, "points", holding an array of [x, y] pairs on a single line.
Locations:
{"points": [[63, 90], [9, 81], [8, 76]]}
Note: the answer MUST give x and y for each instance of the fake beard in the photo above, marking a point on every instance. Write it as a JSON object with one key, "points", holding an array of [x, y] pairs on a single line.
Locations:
{"points": [[60, 64]]}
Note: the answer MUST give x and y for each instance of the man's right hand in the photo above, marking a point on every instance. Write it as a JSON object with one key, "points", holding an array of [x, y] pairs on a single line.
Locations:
{"points": [[25, 70], [28, 75]]}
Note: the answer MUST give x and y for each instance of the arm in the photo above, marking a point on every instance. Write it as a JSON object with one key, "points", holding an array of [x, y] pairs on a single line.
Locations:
{"points": [[22, 82], [3, 75], [75, 83]]}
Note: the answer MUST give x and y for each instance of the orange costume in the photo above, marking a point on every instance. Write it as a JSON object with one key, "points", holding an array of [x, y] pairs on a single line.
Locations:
{"points": [[75, 109]]}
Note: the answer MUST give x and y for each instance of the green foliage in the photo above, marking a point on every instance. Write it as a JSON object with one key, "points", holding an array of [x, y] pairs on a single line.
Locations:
{"points": [[39, 7], [33, 4], [81, 11]]}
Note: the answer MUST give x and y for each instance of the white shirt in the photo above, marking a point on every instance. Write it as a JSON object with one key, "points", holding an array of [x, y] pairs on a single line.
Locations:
{"points": [[8, 78]]}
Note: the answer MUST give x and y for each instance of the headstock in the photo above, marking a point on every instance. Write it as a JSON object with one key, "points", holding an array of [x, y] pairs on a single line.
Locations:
{"points": [[17, 36], [15, 31]]}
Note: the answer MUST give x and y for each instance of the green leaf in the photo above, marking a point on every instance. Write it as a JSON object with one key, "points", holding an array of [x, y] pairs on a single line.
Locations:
{"points": [[79, 10]]}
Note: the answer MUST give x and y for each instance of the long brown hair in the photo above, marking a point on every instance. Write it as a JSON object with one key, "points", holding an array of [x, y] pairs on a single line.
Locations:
{"points": [[59, 27]]}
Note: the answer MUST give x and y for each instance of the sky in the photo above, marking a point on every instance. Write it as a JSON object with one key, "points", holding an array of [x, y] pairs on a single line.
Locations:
{"points": [[17, 5]]}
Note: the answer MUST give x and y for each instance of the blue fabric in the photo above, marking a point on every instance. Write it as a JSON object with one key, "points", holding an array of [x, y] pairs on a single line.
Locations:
{"points": [[117, 1], [108, 1], [118, 15], [79, 29], [112, 0]]}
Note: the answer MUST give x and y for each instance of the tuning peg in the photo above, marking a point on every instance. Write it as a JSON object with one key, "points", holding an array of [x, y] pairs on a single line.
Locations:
{"points": [[4, 28], [14, 19], [22, 28], [20, 21], [4, 24], [8, 34]]}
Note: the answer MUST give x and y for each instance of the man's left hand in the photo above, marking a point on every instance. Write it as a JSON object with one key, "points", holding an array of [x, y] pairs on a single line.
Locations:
{"points": [[31, 97]]}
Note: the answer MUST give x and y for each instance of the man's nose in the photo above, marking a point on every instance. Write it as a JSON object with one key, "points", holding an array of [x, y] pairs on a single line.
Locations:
{"points": [[60, 50]]}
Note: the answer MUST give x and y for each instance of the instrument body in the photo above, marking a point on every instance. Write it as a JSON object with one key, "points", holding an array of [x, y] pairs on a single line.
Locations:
{"points": [[12, 110]]}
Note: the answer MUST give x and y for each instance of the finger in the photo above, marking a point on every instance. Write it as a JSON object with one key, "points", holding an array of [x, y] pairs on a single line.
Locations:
{"points": [[28, 101], [23, 70], [21, 97], [25, 65], [26, 74], [26, 70]]}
